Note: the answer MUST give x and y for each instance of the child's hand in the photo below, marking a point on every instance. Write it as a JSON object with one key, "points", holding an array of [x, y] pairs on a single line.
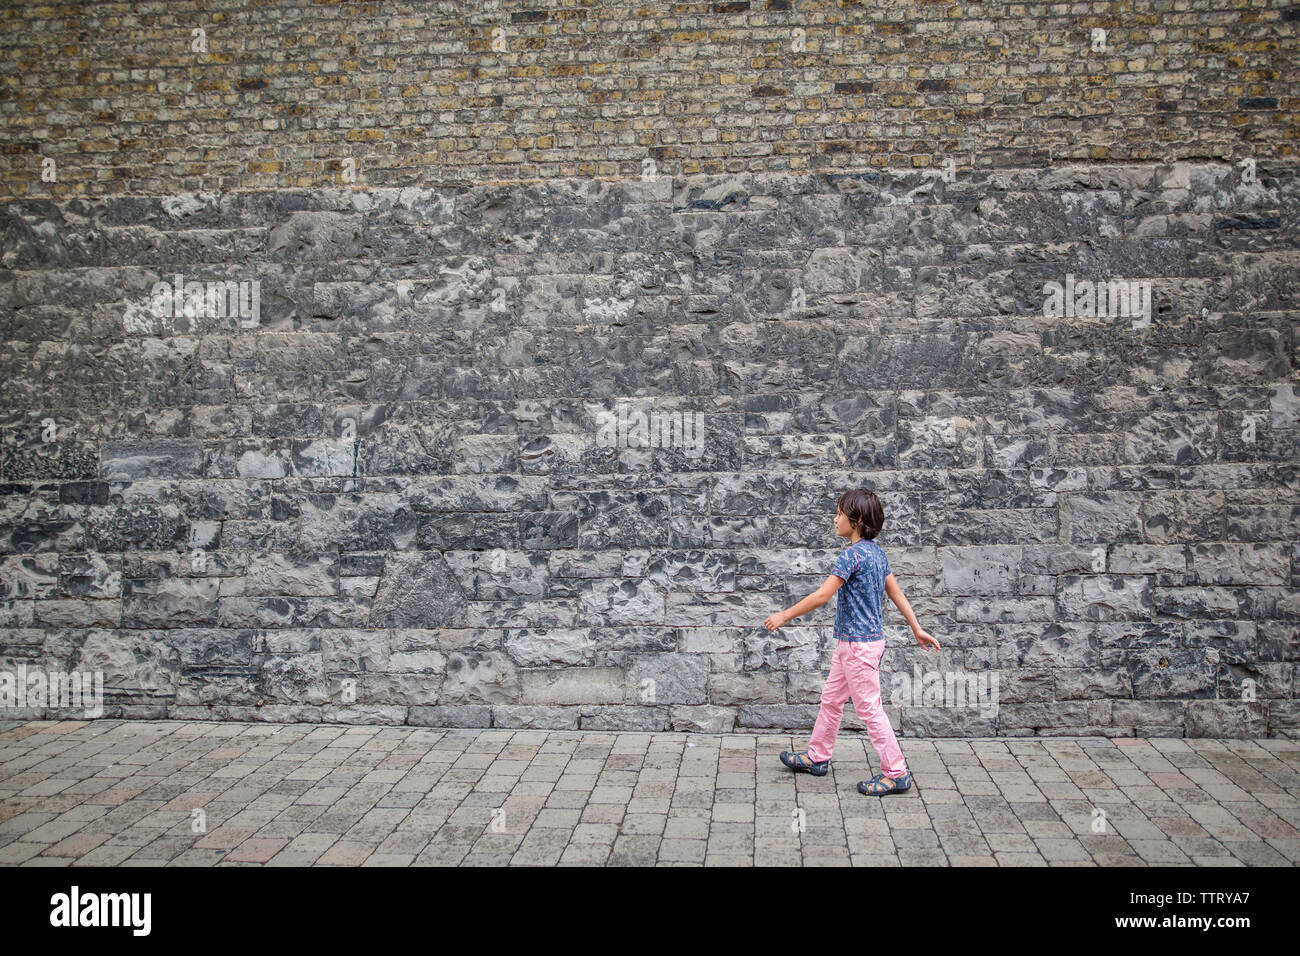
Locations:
{"points": [[776, 620], [924, 639]]}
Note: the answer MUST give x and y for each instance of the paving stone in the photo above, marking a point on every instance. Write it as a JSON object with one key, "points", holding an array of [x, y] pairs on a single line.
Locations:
{"points": [[636, 799], [345, 853], [585, 854], [688, 828], [256, 850], [686, 851]]}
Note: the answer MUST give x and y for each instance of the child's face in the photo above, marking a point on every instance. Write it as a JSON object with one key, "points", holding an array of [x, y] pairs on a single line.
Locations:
{"points": [[842, 526]]}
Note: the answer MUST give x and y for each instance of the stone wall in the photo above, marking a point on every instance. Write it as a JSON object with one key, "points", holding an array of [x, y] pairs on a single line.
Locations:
{"points": [[385, 474], [391, 492]]}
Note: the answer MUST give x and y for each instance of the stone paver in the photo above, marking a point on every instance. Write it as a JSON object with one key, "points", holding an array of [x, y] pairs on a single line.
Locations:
{"points": [[187, 793]]}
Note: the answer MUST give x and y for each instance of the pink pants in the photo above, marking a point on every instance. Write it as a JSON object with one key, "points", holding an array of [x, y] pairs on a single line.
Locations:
{"points": [[855, 672]]}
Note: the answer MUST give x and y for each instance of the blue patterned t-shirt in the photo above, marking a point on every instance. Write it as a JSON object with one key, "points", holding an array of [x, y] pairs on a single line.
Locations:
{"points": [[864, 567]]}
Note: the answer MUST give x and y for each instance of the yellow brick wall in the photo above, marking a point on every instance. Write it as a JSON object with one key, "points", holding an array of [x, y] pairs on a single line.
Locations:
{"points": [[131, 98]]}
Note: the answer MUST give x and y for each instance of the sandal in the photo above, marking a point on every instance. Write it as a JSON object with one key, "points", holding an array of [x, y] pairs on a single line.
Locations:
{"points": [[878, 786], [801, 761]]}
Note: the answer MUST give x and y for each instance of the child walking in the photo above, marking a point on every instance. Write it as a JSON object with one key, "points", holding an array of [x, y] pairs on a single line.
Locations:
{"points": [[863, 573]]}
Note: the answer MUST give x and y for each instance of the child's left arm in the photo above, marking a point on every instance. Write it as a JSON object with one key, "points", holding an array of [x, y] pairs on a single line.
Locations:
{"points": [[900, 601]]}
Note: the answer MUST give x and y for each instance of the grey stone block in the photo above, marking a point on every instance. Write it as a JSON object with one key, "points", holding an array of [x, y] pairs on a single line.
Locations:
{"points": [[417, 590], [777, 716], [638, 718], [453, 715], [659, 679], [703, 720], [576, 685], [1226, 718], [551, 647], [535, 718]]}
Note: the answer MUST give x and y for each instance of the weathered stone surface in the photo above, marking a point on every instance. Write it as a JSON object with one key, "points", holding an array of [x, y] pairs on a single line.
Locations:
{"points": [[417, 589], [1235, 641], [300, 574], [1091, 683], [1226, 718], [37, 575], [535, 718], [170, 602], [363, 714], [391, 689], [1104, 518], [1103, 597], [292, 677], [793, 649], [980, 571], [576, 685], [703, 720], [944, 722], [623, 602], [551, 646], [480, 678], [1150, 718], [1202, 602], [638, 718], [136, 663], [777, 717], [355, 522], [159, 458], [499, 573], [395, 484], [1184, 675], [736, 690], [457, 715], [658, 679], [1061, 644], [1064, 718], [1235, 563], [1146, 558], [77, 613]]}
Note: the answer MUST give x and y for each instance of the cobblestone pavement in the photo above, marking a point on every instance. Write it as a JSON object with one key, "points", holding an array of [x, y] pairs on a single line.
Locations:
{"points": [[109, 792]]}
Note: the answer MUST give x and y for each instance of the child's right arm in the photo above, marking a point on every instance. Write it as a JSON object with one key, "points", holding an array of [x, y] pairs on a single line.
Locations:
{"points": [[900, 601], [811, 603]]}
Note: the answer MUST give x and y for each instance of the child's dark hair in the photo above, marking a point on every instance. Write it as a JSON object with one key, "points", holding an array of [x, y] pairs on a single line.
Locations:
{"points": [[864, 511]]}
